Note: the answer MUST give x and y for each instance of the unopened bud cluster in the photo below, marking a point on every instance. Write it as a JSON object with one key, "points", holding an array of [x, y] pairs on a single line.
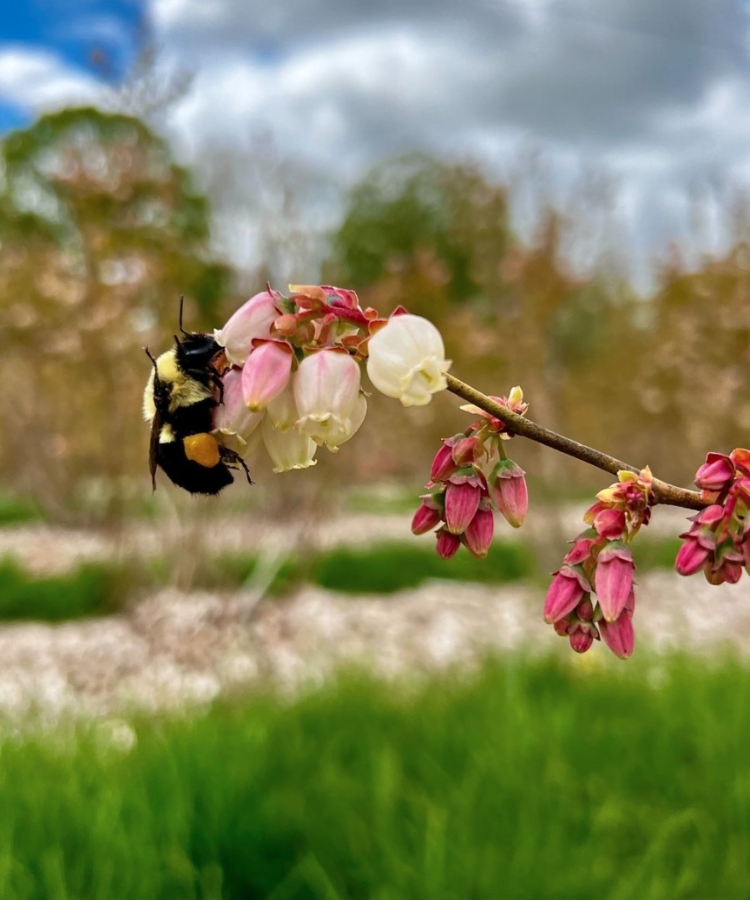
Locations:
{"points": [[292, 371], [592, 596], [471, 476], [718, 542]]}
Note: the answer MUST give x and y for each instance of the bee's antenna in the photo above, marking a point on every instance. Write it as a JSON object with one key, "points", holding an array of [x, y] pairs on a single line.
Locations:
{"points": [[149, 354], [182, 307]]}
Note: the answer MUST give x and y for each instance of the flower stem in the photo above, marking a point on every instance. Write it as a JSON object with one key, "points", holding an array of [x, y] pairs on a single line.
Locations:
{"points": [[664, 493]]}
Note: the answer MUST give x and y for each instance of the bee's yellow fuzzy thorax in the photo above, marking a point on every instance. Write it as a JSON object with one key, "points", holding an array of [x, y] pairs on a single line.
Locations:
{"points": [[184, 390]]}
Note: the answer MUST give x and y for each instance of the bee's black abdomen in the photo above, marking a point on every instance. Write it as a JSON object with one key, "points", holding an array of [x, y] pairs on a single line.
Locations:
{"points": [[190, 475], [193, 419]]}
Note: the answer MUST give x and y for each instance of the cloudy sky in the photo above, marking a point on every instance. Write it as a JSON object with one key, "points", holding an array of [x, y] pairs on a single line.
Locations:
{"points": [[654, 92]]}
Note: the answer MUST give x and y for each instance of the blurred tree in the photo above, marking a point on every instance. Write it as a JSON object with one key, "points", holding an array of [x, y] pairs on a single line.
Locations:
{"points": [[698, 351], [416, 220], [101, 232], [436, 237]]}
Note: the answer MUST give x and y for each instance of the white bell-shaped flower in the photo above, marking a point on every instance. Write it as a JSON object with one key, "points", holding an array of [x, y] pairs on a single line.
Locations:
{"points": [[407, 360], [326, 391], [288, 449], [282, 410]]}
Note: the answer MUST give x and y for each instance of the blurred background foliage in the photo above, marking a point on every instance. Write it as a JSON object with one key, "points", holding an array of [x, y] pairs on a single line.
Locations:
{"points": [[101, 231]]}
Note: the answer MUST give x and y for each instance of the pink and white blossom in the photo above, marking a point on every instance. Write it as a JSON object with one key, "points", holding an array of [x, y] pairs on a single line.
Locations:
{"points": [[234, 423], [252, 321], [266, 373], [330, 405]]}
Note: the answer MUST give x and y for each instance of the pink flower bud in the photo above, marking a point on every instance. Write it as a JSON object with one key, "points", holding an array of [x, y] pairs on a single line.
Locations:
{"points": [[470, 475], [425, 519], [478, 534], [713, 576], [716, 473], [447, 544], [742, 488], [562, 627], [466, 450], [585, 609], [266, 373], [619, 635], [610, 523], [691, 556], [613, 579], [741, 459], [709, 516], [725, 564], [253, 320], [593, 511], [732, 571], [581, 639], [509, 491], [443, 465], [582, 547], [565, 593], [461, 505]]}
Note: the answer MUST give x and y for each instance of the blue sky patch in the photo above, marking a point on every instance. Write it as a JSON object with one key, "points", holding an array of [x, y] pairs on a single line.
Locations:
{"points": [[98, 37]]}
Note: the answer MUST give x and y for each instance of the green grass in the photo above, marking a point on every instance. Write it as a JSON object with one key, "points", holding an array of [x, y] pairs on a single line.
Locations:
{"points": [[530, 780], [382, 568], [387, 567], [90, 590], [17, 510], [384, 500], [655, 553]]}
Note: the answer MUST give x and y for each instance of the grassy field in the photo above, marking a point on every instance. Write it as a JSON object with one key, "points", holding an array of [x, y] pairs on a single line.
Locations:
{"points": [[99, 588], [530, 780]]}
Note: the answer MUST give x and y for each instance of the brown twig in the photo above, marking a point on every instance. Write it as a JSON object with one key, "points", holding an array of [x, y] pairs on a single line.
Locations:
{"points": [[664, 493]]}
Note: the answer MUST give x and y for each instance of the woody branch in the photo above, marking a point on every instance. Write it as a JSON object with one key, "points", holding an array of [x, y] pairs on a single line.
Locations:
{"points": [[665, 493]]}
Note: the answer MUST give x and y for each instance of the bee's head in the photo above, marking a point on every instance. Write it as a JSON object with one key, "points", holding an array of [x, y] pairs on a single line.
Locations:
{"points": [[195, 351]]}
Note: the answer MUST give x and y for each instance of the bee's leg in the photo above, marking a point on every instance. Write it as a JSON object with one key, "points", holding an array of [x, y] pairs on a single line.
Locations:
{"points": [[232, 458], [218, 383]]}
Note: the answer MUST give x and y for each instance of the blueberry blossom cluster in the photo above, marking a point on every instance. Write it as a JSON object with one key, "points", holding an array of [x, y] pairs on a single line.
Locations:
{"points": [[600, 565], [293, 370], [470, 476], [718, 542], [291, 378]]}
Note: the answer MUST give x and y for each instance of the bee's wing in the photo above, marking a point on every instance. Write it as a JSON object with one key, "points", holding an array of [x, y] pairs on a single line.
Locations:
{"points": [[156, 426]]}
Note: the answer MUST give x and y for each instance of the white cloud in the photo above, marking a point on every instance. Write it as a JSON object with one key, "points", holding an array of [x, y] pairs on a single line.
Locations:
{"points": [[655, 93], [35, 80]]}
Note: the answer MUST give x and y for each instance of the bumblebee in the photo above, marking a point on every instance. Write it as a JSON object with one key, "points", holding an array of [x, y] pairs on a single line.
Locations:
{"points": [[181, 395]]}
